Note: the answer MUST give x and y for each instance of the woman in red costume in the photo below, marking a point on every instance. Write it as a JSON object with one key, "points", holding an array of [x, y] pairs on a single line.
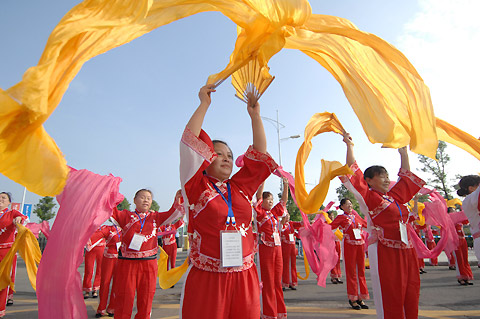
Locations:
{"points": [[93, 254], [289, 277], [353, 253], [393, 260], [169, 242], [270, 251], [222, 280], [137, 258]]}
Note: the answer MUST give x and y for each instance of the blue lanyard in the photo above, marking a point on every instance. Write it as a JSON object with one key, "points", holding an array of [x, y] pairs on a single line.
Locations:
{"points": [[6, 210], [230, 217], [118, 234], [141, 222], [398, 206], [273, 221]]}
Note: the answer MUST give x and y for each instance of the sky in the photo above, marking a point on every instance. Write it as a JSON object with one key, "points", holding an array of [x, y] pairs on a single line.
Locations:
{"points": [[125, 111]]}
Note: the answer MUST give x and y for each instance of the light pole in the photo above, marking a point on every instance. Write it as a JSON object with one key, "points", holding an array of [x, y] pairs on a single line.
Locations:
{"points": [[278, 127]]}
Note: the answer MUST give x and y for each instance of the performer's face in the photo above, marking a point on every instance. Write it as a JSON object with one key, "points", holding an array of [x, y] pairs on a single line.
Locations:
{"points": [[347, 206], [221, 168], [380, 182], [471, 189], [268, 202], [143, 201], [4, 201]]}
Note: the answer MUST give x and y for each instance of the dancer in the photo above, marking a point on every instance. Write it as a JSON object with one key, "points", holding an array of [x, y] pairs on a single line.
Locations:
{"points": [[289, 257], [353, 253], [393, 260], [112, 236], [9, 218], [468, 188], [93, 254], [170, 243], [221, 283], [336, 272], [270, 251], [137, 257]]}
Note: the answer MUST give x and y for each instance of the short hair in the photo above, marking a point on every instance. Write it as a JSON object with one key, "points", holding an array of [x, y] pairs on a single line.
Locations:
{"points": [[465, 182], [143, 190], [266, 194], [450, 209], [373, 171], [222, 142], [343, 201], [9, 195]]}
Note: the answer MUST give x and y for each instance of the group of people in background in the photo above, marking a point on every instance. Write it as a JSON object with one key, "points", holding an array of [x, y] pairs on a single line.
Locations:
{"points": [[230, 218]]}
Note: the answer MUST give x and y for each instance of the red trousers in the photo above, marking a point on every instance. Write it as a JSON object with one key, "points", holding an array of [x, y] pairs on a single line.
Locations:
{"points": [[395, 281], [171, 251], [139, 276], [421, 263], [108, 271], [271, 264], [92, 256], [289, 277], [336, 271], [214, 295], [431, 244], [451, 260], [355, 264], [7, 292], [461, 255]]}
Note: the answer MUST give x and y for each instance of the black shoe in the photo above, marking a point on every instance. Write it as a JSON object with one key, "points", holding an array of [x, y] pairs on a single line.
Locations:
{"points": [[362, 304], [452, 267], [334, 281], [463, 282], [9, 302], [422, 271], [469, 283], [339, 281], [283, 288], [94, 294], [98, 315], [111, 314], [354, 305], [293, 288], [172, 287], [86, 295]]}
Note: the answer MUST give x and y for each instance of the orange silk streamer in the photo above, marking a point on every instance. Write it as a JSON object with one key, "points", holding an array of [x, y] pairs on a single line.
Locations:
{"points": [[448, 133], [307, 268], [310, 203], [27, 245], [454, 201], [168, 278]]}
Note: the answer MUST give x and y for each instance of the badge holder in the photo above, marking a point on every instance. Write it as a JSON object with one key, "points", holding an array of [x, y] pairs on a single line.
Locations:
{"points": [[137, 241], [231, 250], [357, 233], [276, 239], [403, 233], [291, 238]]}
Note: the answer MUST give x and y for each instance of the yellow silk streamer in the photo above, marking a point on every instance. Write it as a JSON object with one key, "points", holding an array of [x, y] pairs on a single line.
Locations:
{"points": [[387, 94], [454, 201], [27, 245], [307, 268], [309, 203], [168, 278], [421, 219], [338, 233], [448, 133]]}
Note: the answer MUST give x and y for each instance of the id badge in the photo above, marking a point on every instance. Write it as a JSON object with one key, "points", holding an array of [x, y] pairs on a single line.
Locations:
{"points": [[403, 233], [291, 238], [118, 245], [231, 252], [357, 233], [276, 239], [137, 241]]}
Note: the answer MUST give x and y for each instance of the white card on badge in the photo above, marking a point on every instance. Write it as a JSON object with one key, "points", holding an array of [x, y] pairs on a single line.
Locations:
{"points": [[231, 252], [118, 245], [403, 233], [276, 239], [137, 241], [357, 233], [291, 238]]}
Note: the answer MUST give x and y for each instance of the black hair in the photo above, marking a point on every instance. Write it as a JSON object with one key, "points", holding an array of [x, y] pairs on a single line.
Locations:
{"points": [[143, 190], [9, 195], [450, 210], [343, 201], [266, 194], [465, 182], [373, 171], [222, 142]]}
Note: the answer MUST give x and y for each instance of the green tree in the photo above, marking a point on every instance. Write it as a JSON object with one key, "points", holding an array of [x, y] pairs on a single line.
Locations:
{"points": [[155, 206], [44, 208], [292, 208], [124, 205], [436, 169], [343, 192]]}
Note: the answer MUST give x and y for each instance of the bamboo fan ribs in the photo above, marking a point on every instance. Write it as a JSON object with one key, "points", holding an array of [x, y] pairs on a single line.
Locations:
{"points": [[251, 80]]}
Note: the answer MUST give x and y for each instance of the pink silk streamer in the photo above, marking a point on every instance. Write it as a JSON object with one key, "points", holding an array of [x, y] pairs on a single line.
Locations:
{"points": [[35, 228], [85, 203], [318, 239], [168, 232], [458, 217], [435, 213]]}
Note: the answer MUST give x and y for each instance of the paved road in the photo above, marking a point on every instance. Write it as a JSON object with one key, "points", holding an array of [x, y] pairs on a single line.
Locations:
{"points": [[441, 297]]}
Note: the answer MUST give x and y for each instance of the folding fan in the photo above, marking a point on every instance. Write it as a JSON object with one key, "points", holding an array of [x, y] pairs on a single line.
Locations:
{"points": [[251, 80]]}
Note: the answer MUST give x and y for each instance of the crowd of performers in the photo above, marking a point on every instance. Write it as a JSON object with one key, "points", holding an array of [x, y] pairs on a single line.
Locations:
{"points": [[230, 219]]}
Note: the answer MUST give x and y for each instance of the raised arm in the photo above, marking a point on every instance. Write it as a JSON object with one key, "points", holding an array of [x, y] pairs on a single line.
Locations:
{"points": [[349, 142], [285, 191], [259, 138], [196, 121], [260, 192], [404, 162]]}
